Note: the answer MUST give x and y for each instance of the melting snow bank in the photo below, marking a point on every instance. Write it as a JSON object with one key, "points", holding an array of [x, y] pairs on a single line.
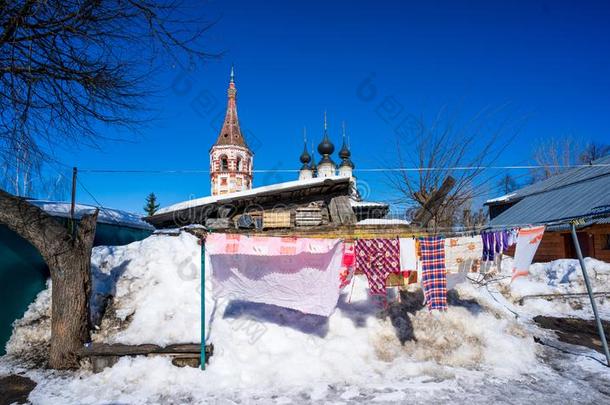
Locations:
{"points": [[477, 350], [556, 278]]}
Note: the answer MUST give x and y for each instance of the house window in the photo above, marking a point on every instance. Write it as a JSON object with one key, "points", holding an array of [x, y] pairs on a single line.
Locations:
{"points": [[607, 244], [224, 163]]}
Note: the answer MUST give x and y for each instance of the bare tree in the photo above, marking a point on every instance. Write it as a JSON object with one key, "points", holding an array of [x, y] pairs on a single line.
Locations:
{"points": [[557, 155], [68, 70], [507, 184], [431, 152], [593, 151]]}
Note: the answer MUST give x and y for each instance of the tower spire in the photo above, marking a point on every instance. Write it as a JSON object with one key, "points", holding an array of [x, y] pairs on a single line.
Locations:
{"points": [[325, 124], [346, 167], [230, 133]]}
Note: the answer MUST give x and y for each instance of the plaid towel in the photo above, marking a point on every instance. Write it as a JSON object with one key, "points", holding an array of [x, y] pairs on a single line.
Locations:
{"points": [[377, 258], [434, 275]]}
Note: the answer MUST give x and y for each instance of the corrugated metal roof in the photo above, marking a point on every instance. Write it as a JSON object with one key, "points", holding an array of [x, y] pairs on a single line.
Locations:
{"points": [[566, 198], [565, 179]]}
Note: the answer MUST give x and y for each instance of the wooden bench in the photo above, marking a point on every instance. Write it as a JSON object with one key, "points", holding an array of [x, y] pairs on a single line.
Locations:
{"points": [[104, 355]]}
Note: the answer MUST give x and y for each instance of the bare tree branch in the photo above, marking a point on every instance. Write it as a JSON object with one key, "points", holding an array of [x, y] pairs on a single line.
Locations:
{"points": [[442, 149], [67, 66]]}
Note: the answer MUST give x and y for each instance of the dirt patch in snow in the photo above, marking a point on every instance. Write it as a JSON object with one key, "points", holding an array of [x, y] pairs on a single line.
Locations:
{"points": [[15, 389], [575, 331]]}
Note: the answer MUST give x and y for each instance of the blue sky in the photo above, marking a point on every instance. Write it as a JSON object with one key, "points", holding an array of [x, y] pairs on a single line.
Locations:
{"points": [[548, 62]]}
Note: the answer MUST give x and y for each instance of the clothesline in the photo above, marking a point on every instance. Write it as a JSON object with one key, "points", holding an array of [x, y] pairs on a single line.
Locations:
{"points": [[407, 231]]}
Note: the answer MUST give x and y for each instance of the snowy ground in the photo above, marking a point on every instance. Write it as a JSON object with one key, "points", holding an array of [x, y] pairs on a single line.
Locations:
{"points": [[481, 349]]}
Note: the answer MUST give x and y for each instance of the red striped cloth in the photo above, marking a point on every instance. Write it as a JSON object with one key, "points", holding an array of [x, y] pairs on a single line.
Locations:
{"points": [[434, 275], [377, 258]]}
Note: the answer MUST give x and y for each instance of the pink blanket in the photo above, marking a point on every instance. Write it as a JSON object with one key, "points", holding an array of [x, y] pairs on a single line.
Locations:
{"points": [[297, 273]]}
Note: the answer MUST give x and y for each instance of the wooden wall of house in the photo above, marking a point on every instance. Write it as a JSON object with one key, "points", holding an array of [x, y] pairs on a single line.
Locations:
{"points": [[558, 245], [551, 247], [601, 233]]}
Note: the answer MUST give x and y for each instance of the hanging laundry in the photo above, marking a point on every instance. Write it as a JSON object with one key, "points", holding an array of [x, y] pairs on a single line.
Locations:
{"points": [[505, 240], [489, 245], [408, 254], [377, 258], [527, 244], [434, 276], [296, 273], [348, 263], [496, 242], [463, 254], [512, 238]]}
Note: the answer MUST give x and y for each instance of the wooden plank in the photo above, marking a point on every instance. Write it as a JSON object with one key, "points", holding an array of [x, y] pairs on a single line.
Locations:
{"points": [[276, 219], [308, 216], [119, 349], [218, 223], [563, 296], [341, 211], [340, 231]]}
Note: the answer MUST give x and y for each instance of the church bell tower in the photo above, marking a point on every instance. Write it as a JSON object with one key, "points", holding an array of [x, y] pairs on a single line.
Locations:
{"points": [[230, 157]]}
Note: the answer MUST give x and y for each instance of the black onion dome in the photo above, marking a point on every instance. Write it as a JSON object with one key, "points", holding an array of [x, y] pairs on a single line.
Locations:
{"points": [[326, 147], [305, 158], [344, 153]]}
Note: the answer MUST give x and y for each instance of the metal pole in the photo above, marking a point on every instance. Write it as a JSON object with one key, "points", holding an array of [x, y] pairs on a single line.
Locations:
{"points": [[600, 328], [202, 356], [73, 205]]}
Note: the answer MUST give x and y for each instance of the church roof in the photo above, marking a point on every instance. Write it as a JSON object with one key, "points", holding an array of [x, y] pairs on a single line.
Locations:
{"points": [[231, 134]]}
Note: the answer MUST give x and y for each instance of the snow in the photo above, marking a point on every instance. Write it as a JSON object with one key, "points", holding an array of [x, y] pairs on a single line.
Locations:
{"points": [[383, 221], [503, 198], [559, 277], [475, 352], [156, 283], [32, 333], [106, 215], [289, 185], [367, 204]]}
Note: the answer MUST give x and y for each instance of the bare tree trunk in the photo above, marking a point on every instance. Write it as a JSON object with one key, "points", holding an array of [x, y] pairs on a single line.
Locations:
{"points": [[69, 260]]}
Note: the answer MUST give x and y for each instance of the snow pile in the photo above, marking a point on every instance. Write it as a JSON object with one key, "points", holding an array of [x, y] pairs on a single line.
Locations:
{"points": [[32, 334], [156, 288], [554, 278], [459, 339]]}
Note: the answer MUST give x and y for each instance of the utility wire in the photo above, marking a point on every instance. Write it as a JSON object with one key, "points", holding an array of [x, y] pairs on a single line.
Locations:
{"points": [[379, 169], [100, 206]]}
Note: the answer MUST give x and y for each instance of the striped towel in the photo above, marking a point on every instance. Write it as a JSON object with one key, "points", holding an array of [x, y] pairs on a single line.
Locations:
{"points": [[434, 275]]}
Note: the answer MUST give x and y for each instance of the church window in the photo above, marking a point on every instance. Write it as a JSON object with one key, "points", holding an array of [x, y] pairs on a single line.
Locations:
{"points": [[239, 164], [224, 163]]}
